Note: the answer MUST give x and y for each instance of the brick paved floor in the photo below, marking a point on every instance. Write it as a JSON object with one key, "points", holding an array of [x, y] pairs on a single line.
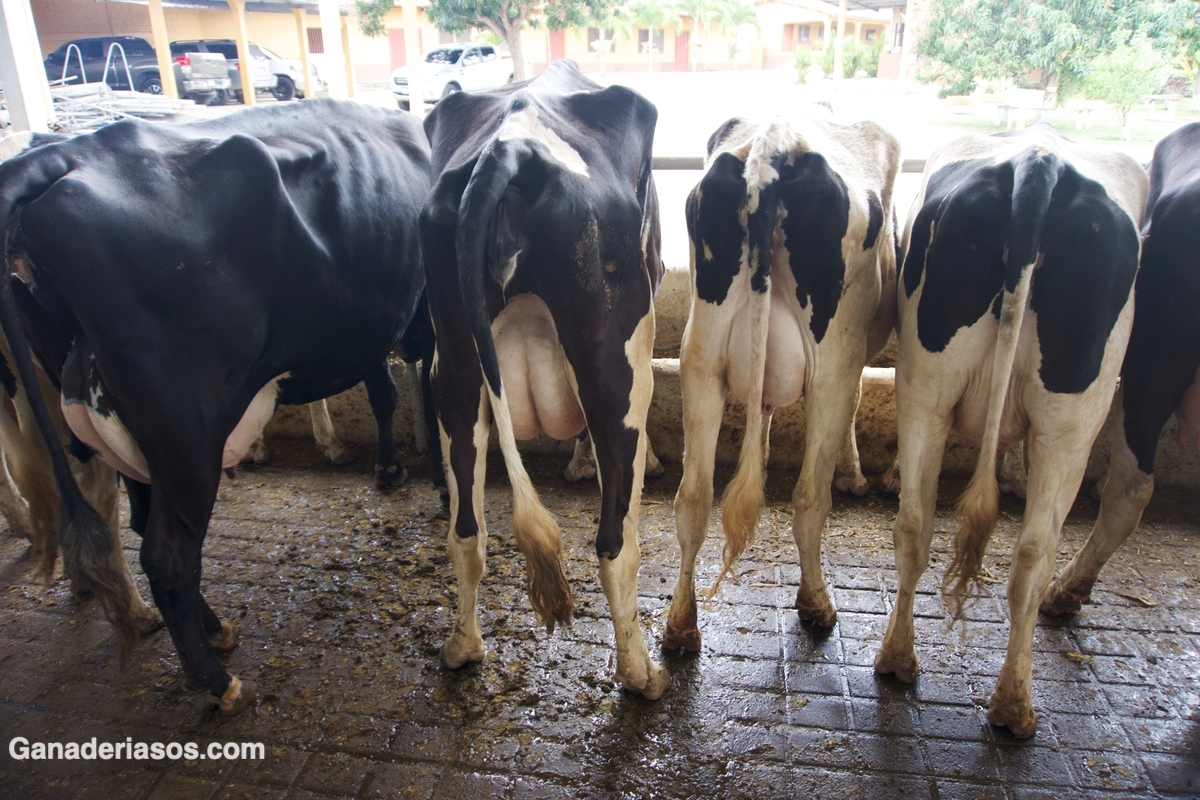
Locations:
{"points": [[343, 595]]}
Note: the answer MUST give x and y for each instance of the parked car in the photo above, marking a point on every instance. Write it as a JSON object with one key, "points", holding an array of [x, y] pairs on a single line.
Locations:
{"points": [[455, 68], [282, 77], [198, 78], [261, 76]]}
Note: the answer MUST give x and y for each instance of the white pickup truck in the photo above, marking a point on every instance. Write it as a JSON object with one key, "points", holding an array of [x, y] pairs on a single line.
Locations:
{"points": [[455, 68]]}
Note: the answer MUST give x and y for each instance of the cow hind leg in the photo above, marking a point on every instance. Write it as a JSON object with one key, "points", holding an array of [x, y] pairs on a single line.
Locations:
{"points": [[703, 407], [621, 460], [326, 437], [170, 556], [381, 391], [1126, 492], [1012, 471], [848, 477], [829, 413], [922, 441], [463, 429], [1056, 467]]}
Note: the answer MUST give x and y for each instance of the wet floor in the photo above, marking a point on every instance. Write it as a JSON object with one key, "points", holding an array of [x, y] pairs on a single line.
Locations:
{"points": [[342, 596]]}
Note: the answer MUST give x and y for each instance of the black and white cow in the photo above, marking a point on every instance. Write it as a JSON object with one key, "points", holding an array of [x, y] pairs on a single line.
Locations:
{"points": [[793, 275], [182, 281], [541, 246], [1015, 305], [1161, 372], [29, 499]]}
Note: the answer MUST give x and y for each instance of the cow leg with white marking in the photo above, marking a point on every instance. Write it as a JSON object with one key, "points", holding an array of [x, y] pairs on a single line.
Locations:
{"points": [[828, 416], [620, 445], [326, 437], [848, 476], [704, 391]]}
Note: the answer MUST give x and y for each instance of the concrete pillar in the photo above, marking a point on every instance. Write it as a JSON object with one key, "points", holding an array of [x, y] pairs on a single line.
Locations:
{"points": [[162, 49], [335, 61], [839, 44], [310, 87], [412, 52], [346, 53], [906, 47], [21, 71], [243, 49]]}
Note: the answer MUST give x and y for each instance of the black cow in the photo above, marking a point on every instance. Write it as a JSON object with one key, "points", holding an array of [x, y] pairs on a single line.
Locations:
{"points": [[184, 279], [1162, 365], [1015, 304], [541, 247]]}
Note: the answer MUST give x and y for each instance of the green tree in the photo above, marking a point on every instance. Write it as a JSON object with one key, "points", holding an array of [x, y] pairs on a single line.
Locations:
{"points": [[371, 14], [1124, 76], [1058, 39], [507, 18], [652, 15], [734, 15]]}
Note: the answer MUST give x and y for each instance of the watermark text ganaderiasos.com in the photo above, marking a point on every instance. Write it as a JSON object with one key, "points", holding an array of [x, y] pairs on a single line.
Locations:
{"points": [[22, 749]]}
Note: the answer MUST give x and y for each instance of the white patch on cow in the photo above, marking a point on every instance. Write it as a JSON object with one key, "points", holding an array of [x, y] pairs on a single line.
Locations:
{"points": [[14, 144], [640, 344], [526, 124], [249, 428], [107, 435]]}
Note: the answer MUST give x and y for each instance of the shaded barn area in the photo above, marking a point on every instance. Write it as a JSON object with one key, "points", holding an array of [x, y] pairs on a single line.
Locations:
{"points": [[343, 595]]}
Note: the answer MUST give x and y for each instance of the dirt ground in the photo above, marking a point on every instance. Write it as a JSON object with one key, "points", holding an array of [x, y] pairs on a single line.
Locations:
{"points": [[343, 594]]}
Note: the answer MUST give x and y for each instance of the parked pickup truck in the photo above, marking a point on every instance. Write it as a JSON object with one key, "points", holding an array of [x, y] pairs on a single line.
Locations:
{"points": [[199, 76], [261, 77], [455, 68]]}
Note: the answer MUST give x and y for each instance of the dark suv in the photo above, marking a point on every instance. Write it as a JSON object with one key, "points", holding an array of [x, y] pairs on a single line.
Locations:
{"points": [[198, 79]]}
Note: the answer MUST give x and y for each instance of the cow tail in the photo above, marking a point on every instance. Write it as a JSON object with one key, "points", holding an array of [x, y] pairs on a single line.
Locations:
{"points": [[744, 496], [90, 558], [534, 528], [1034, 179]]}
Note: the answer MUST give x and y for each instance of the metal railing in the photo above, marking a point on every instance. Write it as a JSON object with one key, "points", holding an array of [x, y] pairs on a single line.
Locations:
{"points": [[109, 63], [108, 60]]}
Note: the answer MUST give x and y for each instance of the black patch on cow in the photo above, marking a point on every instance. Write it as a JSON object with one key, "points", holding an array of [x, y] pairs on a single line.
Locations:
{"points": [[760, 230], [7, 379], [714, 211], [722, 133], [1164, 346], [874, 219], [817, 207], [1090, 258], [968, 205]]}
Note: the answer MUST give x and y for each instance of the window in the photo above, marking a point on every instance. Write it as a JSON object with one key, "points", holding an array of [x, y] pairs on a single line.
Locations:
{"points": [[488, 52], [593, 36], [316, 42], [92, 48], [135, 47], [871, 34], [804, 32], [656, 42], [262, 52], [448, 55], [227, 50]]}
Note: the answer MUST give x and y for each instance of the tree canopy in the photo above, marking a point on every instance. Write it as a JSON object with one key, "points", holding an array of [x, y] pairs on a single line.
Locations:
{"points": [[1058, 39]]}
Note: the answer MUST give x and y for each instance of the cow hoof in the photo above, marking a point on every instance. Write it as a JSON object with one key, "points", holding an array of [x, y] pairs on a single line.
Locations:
{"points": [[902, 665], [1059, 602], [575, 473], [1012, 489], [226, 640], [1018, 716], [458, 651], [341, 455], [257, 454], [852, 484], [651, 686], [655, 470], [237, 698], [677, 638], [149, 623], [819, 612], [387, 477], [889, 482]]}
